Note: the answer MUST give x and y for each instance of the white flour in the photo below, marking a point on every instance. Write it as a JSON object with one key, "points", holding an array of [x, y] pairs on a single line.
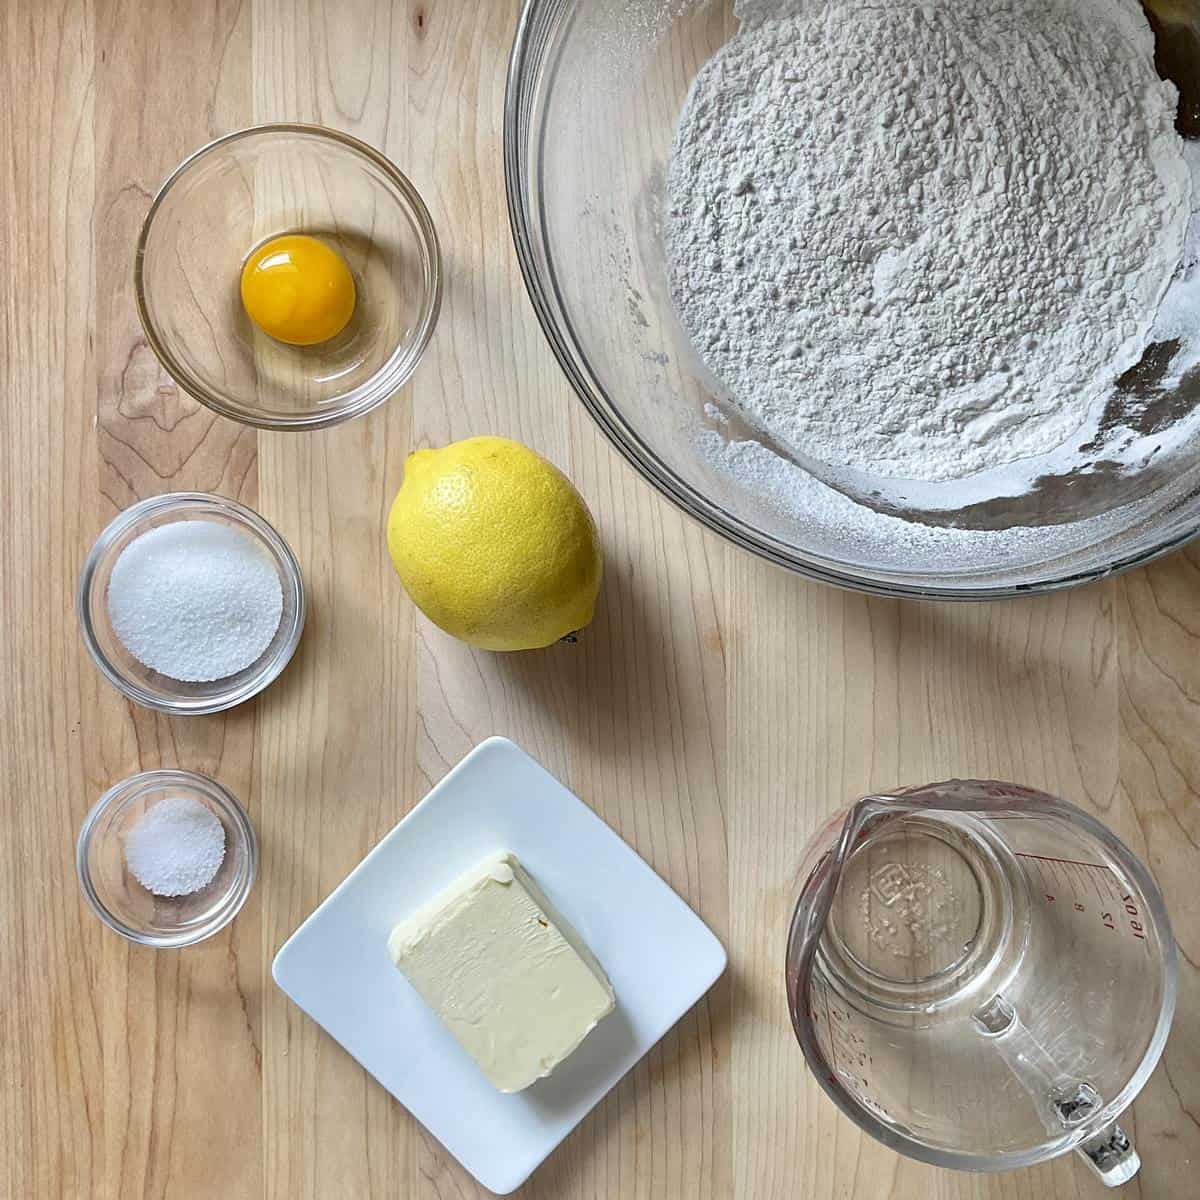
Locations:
{"points": [[922, 240]]}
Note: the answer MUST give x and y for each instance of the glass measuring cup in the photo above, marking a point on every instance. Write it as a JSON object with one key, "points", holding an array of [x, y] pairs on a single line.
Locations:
{"points": [[982, 976]]}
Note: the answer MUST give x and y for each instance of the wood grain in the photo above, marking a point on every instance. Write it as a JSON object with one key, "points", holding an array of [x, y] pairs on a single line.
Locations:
{"points": [[716, 712], [50, 951]]}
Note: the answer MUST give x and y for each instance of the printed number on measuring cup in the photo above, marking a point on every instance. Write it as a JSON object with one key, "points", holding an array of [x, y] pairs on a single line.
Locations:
{"points": [[1131, 910], [1136, 927]]}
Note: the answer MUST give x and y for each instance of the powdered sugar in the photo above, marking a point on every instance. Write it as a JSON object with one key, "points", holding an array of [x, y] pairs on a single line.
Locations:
{"points": [[923, 240]]}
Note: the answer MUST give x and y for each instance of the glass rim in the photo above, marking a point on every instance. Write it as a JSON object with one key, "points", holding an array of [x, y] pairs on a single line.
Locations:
{"points": [[390, 378]]}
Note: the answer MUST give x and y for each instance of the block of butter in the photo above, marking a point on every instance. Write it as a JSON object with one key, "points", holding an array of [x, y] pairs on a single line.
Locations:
{"points": [[507, 975]]}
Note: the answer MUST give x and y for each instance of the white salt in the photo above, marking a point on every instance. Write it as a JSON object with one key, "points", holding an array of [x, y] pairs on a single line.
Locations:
{"points": [[195, 600], [176, 847]]}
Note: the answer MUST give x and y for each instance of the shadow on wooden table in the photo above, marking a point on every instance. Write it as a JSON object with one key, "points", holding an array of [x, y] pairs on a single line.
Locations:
{"points": [[613, 687], [692, 1063]]}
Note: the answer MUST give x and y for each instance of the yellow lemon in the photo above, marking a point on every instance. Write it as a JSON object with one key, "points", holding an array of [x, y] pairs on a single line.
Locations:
{"points": [[494, 544]]}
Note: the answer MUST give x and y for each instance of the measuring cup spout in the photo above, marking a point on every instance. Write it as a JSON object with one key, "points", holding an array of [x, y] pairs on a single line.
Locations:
{"points": [[821, 871]]}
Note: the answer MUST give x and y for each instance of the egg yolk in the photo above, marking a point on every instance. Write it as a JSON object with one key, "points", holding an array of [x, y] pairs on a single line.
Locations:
{"points": [[298, 290]]}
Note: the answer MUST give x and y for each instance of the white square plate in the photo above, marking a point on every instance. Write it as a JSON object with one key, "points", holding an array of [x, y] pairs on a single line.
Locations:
{"points": [[660, 957]]}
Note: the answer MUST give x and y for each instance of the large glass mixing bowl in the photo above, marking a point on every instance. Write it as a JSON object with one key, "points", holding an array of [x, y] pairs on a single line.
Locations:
{"points": [[594, 92]]}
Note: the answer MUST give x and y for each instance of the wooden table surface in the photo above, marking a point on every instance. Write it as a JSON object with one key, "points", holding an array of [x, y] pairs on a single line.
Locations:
{"points": [[714, 714]]}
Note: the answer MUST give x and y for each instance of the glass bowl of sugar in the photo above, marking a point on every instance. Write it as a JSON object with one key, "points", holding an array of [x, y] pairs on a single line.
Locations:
{"points": [[167, 858], [190, 603]]}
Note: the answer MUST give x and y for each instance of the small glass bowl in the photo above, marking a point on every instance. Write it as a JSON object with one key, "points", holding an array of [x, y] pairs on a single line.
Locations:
{"points": [[139, 682], [120, 901], [238, 192]]}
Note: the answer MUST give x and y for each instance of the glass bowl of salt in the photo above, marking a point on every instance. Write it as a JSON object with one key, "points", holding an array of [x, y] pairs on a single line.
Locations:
{"points": [[167, 858], [190, 603]]}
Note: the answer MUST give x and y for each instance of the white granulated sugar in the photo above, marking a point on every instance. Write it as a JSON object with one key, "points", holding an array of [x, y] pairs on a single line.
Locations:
{"points": [[923, 240], [175, 847], [195, 600]]}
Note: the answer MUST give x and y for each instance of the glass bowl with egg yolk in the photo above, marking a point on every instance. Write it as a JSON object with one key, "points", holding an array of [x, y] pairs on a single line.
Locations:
{"points": [[288, 276]]}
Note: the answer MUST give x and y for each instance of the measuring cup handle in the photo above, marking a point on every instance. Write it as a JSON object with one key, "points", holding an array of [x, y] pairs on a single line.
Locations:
{"points": [[1111, 1155]]}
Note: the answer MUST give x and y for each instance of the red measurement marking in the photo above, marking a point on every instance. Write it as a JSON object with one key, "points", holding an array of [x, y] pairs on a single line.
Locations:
{"points": [[1090, 876], [1072, 861], [832, 1032]]}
